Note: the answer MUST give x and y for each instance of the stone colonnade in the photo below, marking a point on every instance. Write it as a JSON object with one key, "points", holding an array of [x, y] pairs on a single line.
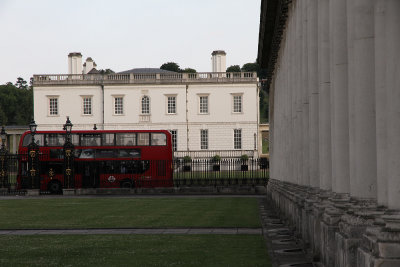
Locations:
{"points": [[335, 129]]}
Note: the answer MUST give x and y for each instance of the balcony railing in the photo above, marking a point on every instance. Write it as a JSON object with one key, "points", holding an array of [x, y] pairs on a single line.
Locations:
{"points": [[143, 78], [208, 154]]}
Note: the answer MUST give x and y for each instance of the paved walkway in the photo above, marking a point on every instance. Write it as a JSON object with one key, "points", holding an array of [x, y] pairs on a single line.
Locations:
{"points": [[140, 231]]}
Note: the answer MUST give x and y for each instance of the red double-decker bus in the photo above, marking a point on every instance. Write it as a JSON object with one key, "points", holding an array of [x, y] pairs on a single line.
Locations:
{"points": [[102, 159]]}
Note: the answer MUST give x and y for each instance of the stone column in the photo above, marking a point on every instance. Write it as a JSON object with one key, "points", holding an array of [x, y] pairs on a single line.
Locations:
{"points": [[364, 100], [312, 51], [297, 88], [350, 86], [380, 101], [393, 98], [339, 97], [304, 98], [325, 159]]}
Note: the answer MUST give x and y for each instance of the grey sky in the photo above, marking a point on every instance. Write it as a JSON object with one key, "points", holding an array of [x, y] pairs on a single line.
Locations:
{"points": [[37, 35]]}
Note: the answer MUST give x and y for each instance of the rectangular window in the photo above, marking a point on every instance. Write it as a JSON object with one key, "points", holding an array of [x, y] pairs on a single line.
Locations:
{"points": [[174, 134], [118, 105], [158, 139], [143, 139], [237, 138], [204, 139], [53, 106], [171, 104], [125, 139], [87, 106], [237, 103], [203, 101]]}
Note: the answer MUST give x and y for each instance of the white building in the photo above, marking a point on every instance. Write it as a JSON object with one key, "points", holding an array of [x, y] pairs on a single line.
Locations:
{"points": [[212, 112]]}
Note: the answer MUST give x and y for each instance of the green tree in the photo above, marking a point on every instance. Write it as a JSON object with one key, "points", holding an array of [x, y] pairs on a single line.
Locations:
{"points": [[21, 83], [233, 68], [250, 67], [189, 70], [16, 103], [106, 71], [171, 66]]}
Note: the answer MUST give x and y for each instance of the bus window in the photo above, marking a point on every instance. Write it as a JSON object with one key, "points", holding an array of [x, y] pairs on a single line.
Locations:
{"points": [[39, 139], [140, 166], [75, 139], [90, 139], [126, 139], [53, 139], [158, 139], [107, 139], [143, 139]]}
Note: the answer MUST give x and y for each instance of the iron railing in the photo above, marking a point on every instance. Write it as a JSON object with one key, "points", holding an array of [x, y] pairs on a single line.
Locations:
{"points": [[199, 172]]}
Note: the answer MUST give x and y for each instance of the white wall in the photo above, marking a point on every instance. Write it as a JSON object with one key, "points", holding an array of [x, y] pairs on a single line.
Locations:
{"points": [[220, 121]]}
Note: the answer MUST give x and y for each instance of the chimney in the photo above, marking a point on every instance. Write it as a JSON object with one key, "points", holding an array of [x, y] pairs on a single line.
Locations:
{"points": [[218, 61], [75, 63], [88, 65]]}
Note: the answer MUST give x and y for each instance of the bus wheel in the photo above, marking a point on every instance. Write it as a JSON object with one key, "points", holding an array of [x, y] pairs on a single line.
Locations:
{"points": [[126, 184], [54, 187]]}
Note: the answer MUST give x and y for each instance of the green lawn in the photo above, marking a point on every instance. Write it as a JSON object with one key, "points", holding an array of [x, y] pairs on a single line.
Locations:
{"points": [[128, 212], [133, 250]]}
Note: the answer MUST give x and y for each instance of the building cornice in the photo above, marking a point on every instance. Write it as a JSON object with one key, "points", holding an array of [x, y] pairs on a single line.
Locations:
{"points": [[150, 79], [273, 18]]}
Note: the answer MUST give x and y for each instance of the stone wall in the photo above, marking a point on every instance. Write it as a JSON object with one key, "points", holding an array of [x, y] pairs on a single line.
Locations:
{"points": [[334, 80], [339, 230]]}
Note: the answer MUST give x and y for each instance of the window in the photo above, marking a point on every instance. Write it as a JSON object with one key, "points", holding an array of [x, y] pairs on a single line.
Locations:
{"points": [[203, 139], [237, 103], [87, 106], [125, 139], [118, 105], [158, 139], [237, 138], [203, 104], [143, 139], [145, 105], [174, 134], [171, 102], [53, 106]]}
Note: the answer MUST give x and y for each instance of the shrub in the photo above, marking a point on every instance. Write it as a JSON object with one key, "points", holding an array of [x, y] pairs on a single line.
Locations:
{"points": [[216, 158]]}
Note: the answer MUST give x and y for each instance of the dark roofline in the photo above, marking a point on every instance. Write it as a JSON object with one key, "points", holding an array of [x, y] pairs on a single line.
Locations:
{"points": [[74, 54], [273, 16], [218, 52]]}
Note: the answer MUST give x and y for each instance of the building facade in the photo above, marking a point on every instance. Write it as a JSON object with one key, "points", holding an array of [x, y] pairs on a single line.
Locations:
{"points": [[333, 76], [205, 112]]}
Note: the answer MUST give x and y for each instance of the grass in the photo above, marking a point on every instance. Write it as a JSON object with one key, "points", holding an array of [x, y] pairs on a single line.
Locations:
{"points": [[58, 213], [133, 250]]}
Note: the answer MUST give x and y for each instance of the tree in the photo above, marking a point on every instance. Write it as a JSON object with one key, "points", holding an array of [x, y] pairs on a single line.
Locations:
{"points": [[171, 66], [250, 67], [21, 83], [16, 103], [233, 68], [189, 70], [106, 71]]}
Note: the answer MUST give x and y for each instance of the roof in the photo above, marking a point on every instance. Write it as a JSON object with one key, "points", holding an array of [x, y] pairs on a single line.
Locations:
{"points": [[145, 70], [273, 18], [218, 52], [94, 71], [77, 54]]}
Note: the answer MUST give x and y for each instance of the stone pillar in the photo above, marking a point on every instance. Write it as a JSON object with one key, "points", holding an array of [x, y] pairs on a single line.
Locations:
{"points": [[312, 52], [325, 159], [304, 97], [393, 98], [364, 100], [381, 102], [350, 86], [339, 97]]}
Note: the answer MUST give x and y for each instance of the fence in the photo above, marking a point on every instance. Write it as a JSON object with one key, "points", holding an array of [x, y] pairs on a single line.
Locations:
{"points": [[201, 172]]}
